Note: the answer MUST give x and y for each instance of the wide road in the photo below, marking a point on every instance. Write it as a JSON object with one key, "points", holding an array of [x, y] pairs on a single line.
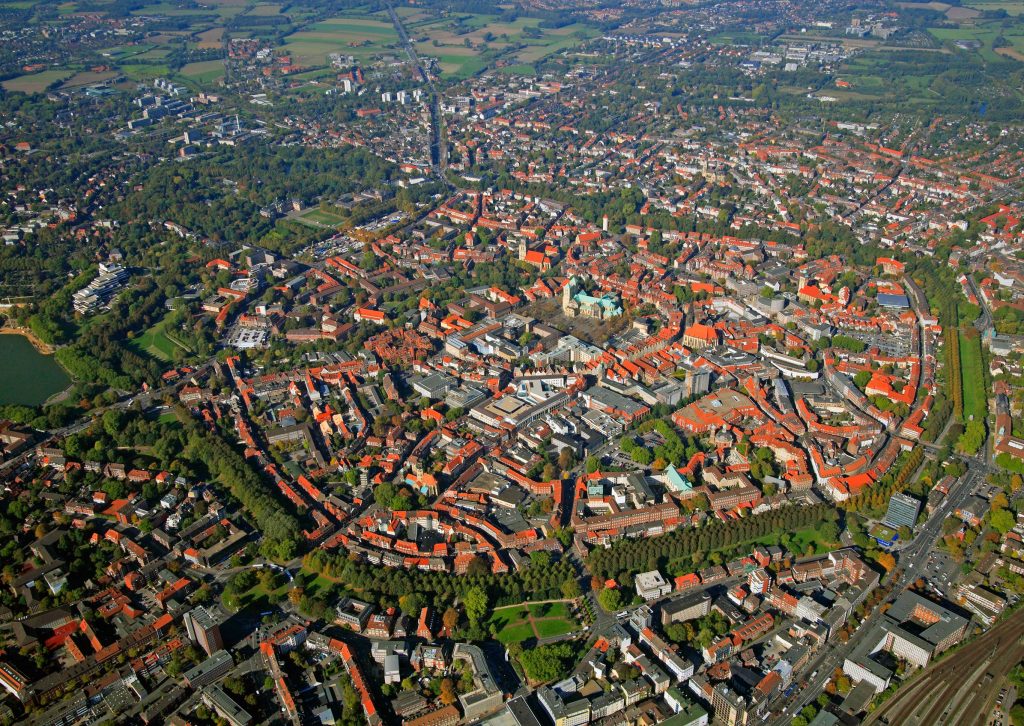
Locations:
{"points": [[438, 144], [911, 561], [961, 688]]}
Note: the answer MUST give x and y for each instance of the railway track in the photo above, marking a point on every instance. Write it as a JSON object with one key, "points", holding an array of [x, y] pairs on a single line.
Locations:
{"points": [[957, 690]]}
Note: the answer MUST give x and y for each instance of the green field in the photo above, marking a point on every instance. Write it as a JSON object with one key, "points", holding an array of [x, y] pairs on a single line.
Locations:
{"points": [[518, 633], [883, 533], [36, 82], [265, 9], [517, 624], [551, 628], [204, 71], [549, 610], [465, 44], [322, 216], [154, 342], [359, 37], [736, 38], [143, 72], [986, 34], [259, 597], [222, 9], [1012, 7], [972, 367], [520, 69]]}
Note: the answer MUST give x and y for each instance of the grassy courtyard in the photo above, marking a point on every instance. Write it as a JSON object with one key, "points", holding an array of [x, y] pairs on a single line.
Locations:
{"points": [[519, 623]]}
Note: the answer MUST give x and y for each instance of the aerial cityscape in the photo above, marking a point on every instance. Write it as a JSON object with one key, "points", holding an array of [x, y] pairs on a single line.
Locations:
{"points": [[526, 363]]}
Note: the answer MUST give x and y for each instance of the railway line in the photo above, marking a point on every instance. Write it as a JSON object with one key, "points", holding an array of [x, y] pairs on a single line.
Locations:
{"points": [[958, 690]]}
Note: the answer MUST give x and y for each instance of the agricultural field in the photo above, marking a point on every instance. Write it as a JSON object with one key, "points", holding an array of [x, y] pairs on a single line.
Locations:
{"points": [[221, 9], [203, 71], [1012, 7], [519, 623], [211, 38], [467, 43], [36, 82], [265, 9], [359, 37], [144, 72], [985, 34], [87, 78]]}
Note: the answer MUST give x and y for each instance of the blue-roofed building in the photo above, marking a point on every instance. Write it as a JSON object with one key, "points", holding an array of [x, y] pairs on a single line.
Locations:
{"points": [[677, 482], [577, 302], [887, 300]]}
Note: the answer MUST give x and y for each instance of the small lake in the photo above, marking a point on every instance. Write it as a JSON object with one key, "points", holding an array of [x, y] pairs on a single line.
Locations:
{"points": [[27, 376]]}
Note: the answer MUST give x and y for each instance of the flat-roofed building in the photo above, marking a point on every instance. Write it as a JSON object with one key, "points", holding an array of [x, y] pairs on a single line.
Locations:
{"points": [[652, 585], [226, 707]]}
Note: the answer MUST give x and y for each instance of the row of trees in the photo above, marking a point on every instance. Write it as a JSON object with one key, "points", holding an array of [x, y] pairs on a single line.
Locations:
{"points": [[545, 579], [280, 529], [693, 545], [877, 497]]}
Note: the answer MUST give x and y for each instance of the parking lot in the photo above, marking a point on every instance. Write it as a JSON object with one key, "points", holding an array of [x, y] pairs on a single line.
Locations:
{"points": [[941, 571]]}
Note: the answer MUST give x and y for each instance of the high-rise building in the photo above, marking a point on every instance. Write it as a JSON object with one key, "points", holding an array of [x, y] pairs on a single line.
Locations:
{"points": [[203, 628], [903, 511]]}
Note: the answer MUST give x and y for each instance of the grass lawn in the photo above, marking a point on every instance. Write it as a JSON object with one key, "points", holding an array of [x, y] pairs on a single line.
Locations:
{"points": [[513, 623], [155, 342], [808, 537], [883, 533], [503, 617], [36, 82], [553, 627], [736, 38], [971, 365], [519, 69], [313, 583], [260, 597], [519, 633], [549, 610], [322, 216]]}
